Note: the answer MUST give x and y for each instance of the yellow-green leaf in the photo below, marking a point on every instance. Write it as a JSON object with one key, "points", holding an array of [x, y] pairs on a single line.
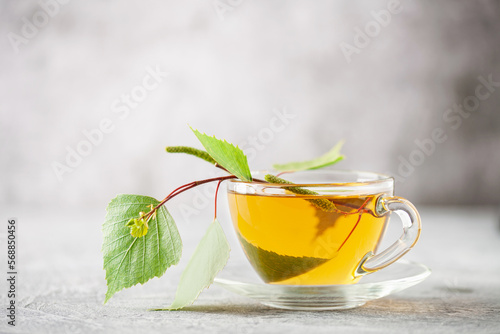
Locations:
{"points": [[329, 158], [209, 257]]}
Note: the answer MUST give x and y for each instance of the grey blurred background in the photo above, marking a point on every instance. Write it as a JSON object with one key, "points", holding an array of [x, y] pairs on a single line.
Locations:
{"points": [[283, 79]]}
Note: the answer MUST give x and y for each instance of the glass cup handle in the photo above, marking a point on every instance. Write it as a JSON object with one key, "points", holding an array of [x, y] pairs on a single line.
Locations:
{"points": [[411, 232]]}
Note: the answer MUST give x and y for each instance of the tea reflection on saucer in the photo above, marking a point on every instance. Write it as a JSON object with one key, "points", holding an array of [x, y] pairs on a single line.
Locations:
{"points": [[397, 277]]}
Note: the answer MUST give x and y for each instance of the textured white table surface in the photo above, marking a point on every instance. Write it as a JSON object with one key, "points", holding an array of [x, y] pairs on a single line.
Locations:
{"points": [[61, 285]]}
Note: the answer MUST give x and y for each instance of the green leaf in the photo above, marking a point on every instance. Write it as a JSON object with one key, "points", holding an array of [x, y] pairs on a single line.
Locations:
{"points": [[331, 157], [209, 257], [227, 155], [130, 260], [273, 267]]}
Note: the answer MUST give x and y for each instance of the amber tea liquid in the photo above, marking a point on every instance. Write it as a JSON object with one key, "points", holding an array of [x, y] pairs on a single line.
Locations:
{"points": [[289, 240]]}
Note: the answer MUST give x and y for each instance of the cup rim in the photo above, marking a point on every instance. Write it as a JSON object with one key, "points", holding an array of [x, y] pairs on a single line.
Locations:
{"points": [[381, 179]]}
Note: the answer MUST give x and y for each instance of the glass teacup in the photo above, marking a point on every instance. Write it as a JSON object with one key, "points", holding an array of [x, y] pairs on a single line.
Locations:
{"points": [[327, 234]]}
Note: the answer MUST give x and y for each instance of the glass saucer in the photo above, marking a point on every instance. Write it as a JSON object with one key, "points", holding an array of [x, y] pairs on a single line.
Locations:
{"points": [[398, 276]]}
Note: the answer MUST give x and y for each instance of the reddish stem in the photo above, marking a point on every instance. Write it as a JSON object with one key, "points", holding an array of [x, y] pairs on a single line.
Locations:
{"points": [[185, 187], [355, 225], [216, 193], [359, 219]]}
